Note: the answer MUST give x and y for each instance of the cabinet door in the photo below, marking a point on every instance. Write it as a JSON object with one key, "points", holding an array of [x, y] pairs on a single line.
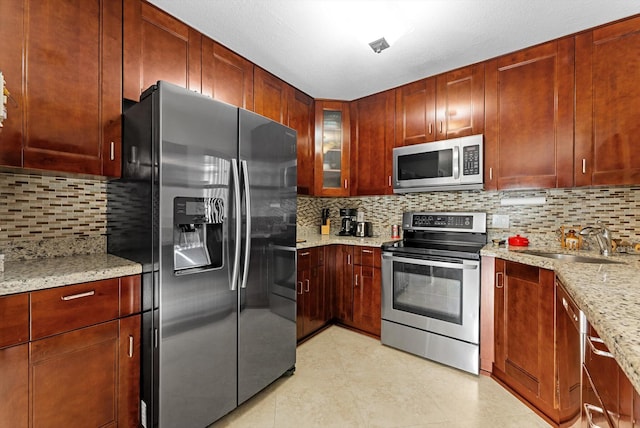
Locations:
{"points": [[372, 137], [226, 76], [529, 135], [568, 354], [416, 112], [314, 290], [12, 34], [304, 258], [14, 392], [158, 47], [332, 149], [366, 299], [343, 283], [65, 84], [460, 102], [271, 96], [607, 103], [129, 372], [303, 276], [301, 111], [524, 325], [84, 363]]}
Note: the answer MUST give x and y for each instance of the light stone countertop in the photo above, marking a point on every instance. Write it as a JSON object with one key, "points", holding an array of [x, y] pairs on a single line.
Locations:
{"points": [[608, 294], [38, 274], [317, 240]]}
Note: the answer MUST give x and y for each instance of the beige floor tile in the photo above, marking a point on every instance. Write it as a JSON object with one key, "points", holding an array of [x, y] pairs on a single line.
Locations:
{"points": [[345, 379]]}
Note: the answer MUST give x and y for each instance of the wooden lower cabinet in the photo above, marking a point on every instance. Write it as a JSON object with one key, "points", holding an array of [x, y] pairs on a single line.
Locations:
{"points": [[310, 288], [528, 359], [355, 278], [351, 281], [82, 370]]}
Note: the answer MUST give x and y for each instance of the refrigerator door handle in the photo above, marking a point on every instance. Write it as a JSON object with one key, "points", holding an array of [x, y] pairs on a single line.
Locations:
{"points": [[238, 206], [247, 204]]}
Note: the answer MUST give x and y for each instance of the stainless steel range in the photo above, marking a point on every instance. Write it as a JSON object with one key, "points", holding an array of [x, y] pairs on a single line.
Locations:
{"points": [[431, 287]]}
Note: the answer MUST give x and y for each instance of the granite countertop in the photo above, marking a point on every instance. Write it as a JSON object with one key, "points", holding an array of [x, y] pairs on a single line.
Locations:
{"points": [[317, 240], [38, 274], [608, 294]]}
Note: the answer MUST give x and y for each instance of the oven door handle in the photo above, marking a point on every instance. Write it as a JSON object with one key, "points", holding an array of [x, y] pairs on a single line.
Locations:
{"points": [[429, 262]]}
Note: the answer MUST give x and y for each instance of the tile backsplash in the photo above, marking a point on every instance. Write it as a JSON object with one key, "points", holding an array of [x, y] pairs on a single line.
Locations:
{"points": [[41, 215], [617, 207]]}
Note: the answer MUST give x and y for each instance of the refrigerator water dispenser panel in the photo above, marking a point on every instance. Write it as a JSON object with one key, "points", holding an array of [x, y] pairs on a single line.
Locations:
{"points": [[197, 233]]}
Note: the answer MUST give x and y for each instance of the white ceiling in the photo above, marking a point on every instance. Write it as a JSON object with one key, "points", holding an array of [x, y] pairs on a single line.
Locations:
{"points": [[321, 46]]}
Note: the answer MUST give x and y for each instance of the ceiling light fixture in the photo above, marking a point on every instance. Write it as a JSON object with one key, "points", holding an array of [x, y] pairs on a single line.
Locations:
{"points": [[379, 45]]}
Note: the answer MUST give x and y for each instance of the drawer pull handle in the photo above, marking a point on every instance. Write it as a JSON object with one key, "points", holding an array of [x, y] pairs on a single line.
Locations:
{"points": [[306, 253], [130, 353], [78, 296], [597, 351], [367, 251]]}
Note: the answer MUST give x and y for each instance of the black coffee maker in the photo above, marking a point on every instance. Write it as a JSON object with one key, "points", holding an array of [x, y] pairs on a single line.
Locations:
{"points": [[348, 227]]}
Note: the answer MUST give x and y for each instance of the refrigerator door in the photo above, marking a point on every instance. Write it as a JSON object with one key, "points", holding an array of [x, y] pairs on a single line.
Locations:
{"points": [[267, 311], [198, 306]]}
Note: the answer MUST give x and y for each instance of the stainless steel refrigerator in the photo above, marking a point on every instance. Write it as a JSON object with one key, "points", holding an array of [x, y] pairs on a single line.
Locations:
{"points": [[207, 205]]}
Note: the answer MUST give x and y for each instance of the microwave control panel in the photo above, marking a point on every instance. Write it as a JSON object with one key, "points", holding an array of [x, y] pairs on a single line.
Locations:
{"points": [[471, 160]]}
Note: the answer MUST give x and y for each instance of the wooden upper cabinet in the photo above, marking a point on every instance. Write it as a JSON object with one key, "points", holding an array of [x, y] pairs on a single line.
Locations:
{"points": [[607, 105], [65, 84], [12, 34], [158, 47], [372, 140], [300, 117], [332, 149], [416, 113], [460, 102], [226, 76], [529, 118], [271, 96]]}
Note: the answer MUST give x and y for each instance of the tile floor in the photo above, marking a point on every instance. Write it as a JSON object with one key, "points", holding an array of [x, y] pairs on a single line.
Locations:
{"points": [[344, 379]]}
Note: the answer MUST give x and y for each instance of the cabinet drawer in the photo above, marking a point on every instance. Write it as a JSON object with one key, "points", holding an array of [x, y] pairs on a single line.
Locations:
{"points": [[14, 319], [67, 308], [305, 259], [367, 256]]}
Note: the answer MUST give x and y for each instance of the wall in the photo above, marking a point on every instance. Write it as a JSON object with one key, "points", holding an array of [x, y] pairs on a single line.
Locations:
{"points": [[43, 216], [618, 208]]}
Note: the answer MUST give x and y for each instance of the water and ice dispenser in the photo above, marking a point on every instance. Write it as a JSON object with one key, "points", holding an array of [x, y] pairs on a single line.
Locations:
{"points": [[197, 233]]}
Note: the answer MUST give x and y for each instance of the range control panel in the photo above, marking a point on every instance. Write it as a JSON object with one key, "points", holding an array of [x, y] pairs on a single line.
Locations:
{"points": [[464, 222]]}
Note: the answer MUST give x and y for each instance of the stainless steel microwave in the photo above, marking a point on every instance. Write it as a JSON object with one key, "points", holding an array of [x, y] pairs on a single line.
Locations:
{"points": [[455, 164]]}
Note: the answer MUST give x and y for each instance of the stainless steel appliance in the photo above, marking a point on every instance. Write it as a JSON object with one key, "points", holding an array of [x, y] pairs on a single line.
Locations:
{"points": [[207, 205], [348, 225], [454, 164], [431, 288]]}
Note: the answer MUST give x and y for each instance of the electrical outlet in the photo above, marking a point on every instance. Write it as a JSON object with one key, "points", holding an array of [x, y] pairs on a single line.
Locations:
{"points": [[500, 221]]}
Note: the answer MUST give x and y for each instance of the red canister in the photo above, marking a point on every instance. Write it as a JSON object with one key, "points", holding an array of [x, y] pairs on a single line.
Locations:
{"points": [[518, 241]]}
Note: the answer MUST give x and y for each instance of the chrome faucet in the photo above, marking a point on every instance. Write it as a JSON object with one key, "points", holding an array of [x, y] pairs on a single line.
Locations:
{"points": [[602, 235]]}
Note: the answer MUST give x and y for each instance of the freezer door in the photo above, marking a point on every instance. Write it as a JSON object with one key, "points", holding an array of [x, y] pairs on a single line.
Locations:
{"points": [[198, 306], [267, 314]]}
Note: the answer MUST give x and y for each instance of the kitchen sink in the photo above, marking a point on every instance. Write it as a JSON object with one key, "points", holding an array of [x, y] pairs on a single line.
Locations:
{"points": [[569, 257]]}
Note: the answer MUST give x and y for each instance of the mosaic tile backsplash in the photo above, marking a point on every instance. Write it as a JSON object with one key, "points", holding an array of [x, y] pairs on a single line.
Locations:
{"points": [[618, 208], [44, 215]]}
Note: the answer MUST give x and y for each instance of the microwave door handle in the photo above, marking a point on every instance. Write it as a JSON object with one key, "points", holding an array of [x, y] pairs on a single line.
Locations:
{"points": [[456, 162], [430, 262]]}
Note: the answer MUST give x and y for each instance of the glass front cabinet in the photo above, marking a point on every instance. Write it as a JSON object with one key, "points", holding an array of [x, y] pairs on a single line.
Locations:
{"points": [[332, 149]]}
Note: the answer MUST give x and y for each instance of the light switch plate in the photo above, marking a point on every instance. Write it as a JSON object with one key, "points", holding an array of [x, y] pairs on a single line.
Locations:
{"points": [[500, 221]]}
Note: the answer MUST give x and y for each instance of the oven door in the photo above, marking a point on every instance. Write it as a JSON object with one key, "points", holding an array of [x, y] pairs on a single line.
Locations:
{"points": [[435, 294]]}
